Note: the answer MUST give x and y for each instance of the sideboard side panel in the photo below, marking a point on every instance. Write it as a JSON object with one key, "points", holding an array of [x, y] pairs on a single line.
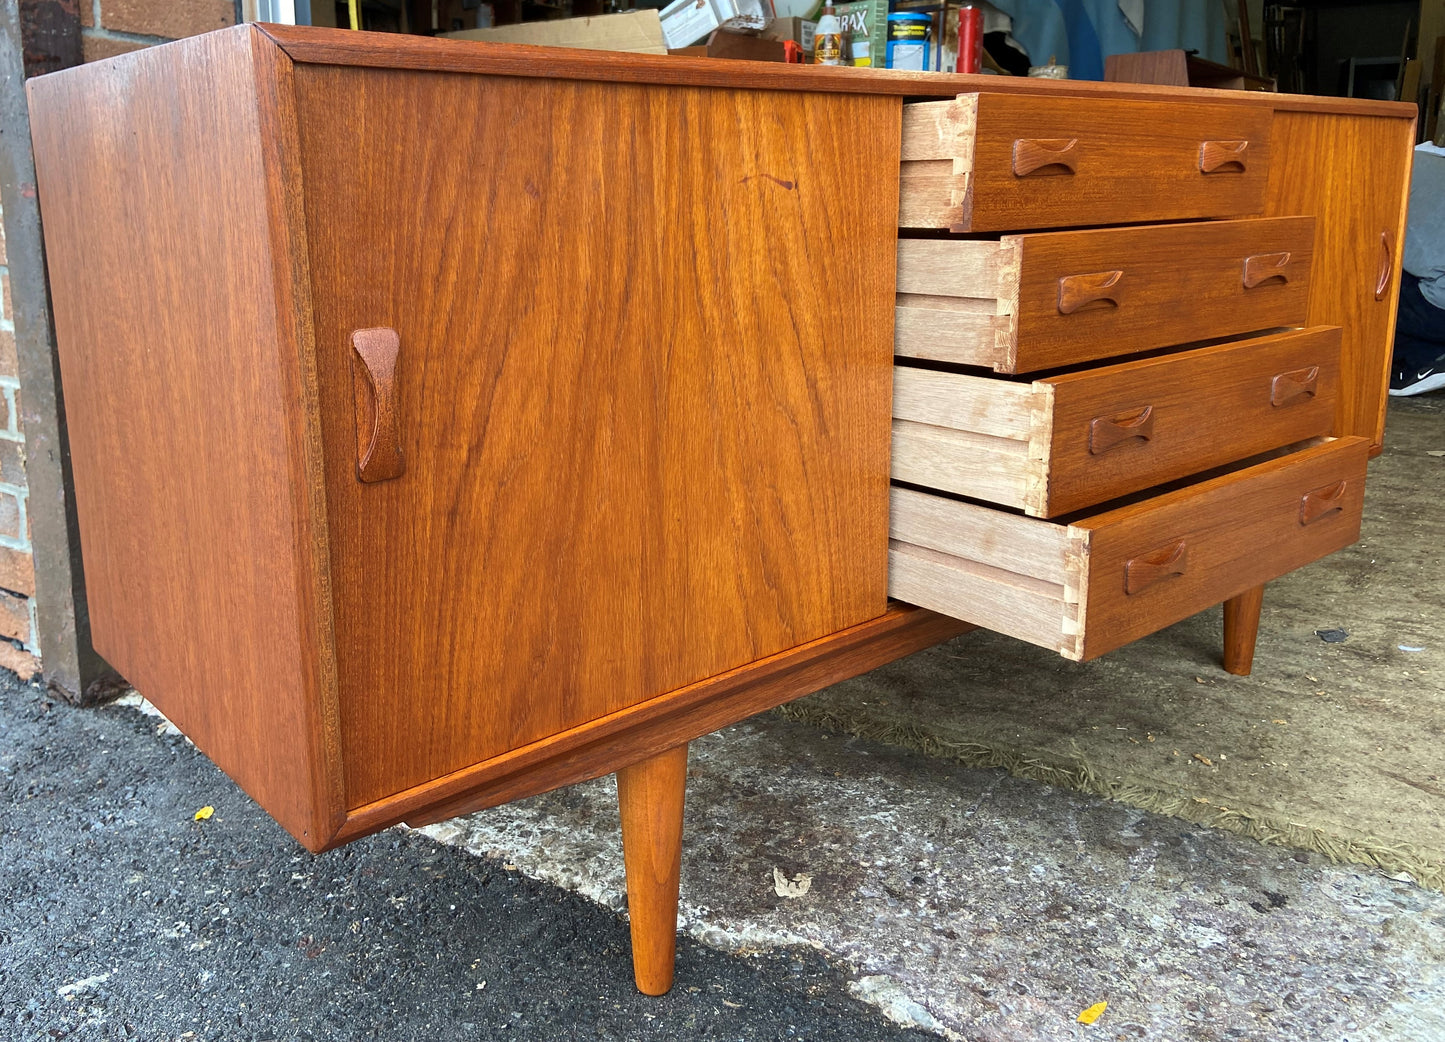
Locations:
{"points": [[643, 391], [1352, 174], [181, 327]]}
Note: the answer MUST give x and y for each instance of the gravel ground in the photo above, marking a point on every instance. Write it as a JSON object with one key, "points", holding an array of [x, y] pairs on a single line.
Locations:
{"points": [[123, 917]]}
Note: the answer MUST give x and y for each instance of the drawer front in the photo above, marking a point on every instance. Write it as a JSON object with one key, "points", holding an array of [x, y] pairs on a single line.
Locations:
{"points": [[1001, 162], [1129, 427], [1155, 563], [1088, 587], [1034, 302], [1080, 439], [625, 471]]}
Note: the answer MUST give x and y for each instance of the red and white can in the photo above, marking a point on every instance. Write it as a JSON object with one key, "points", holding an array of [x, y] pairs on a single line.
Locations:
{"points": [[970, 39]]}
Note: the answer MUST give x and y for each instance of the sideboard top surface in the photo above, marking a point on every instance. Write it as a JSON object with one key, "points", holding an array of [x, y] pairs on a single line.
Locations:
{"points": [[314, 45], [189, 158]]}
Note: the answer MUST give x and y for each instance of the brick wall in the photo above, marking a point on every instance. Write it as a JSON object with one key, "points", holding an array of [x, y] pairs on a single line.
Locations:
{"points": [[18, 646], [110, 27]]}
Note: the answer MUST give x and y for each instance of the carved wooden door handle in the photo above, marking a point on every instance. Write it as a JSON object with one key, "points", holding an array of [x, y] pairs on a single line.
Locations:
{"points": [[1077, 290], [1387, 266], [1322, 502], [1220, 156], [1044, 155], [1294, 385], [1262, 267], [1106, 433], [1144, 571], [373, 387]]}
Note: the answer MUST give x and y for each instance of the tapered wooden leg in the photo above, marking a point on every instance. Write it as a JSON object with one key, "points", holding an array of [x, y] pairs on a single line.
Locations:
{"points": [[1241, 626], [650, 795]]}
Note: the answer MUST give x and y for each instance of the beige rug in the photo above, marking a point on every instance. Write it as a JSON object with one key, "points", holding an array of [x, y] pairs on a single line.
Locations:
{"points": [[1329, 747]]}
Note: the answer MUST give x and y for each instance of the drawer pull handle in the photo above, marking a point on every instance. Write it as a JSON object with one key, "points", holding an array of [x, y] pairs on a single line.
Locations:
{"points": [[1322, 502], [1044, 155], [1077, 290], [1142, 572], [1263, 267], [1223, 156], [1292, 386], [1105, 434], [1387, 266], [373, 387]]}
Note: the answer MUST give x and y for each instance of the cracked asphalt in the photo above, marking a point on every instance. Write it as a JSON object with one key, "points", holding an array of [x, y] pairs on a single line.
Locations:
{"points": [[122, 917]]}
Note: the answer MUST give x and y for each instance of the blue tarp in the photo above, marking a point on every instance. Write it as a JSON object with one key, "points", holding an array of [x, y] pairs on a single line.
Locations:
{"points": [[1079, 33]]}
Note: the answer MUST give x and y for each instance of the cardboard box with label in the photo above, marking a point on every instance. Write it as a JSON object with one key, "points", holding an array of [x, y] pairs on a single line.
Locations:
{"points": [[799, 30], [636, 31], [865, 30]]}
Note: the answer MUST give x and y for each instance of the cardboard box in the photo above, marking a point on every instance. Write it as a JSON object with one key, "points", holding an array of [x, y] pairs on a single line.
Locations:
{"points": [[636, 31], [865, 31], [799, 30], [686, 22]]}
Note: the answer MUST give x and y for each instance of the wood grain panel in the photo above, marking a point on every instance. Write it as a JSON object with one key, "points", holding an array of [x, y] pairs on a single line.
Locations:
{"points": [[1002, 304], [1088, 587], [1178, 283], [645, 343], [1000, 162], [177, 269], [391, 51], [1081, 438], [633, 734], [1208, 407], [1353, 174], [1239, 530]]}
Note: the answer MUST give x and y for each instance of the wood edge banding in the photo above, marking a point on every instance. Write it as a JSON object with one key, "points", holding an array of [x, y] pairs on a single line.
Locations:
{"points": [[280, 145], [325, 46], [621, 739]]}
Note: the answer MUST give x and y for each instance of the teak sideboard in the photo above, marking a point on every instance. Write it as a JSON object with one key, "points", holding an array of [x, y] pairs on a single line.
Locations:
{"points": [[451, 422]]}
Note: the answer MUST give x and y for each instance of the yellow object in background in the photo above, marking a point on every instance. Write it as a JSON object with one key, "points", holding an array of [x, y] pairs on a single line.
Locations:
{"points": [[1092, 1013], [204, 813]]}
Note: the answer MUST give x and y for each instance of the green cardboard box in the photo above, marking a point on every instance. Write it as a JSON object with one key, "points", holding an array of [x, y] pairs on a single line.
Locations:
{"points": [[865, 31]]}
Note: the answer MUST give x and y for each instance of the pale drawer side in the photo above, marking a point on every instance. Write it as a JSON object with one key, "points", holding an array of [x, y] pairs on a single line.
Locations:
{"points": [[973, 435], [1009, 574], [958, 301]]}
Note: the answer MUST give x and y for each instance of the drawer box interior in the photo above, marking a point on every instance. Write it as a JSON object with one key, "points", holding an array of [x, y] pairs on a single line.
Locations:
{"points": [[1095, 583], [999, 162], [1081, 438], [1023, 303]]}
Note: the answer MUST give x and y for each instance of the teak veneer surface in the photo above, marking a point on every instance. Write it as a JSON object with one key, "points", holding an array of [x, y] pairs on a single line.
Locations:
{"points": [[1091, 585], [183, 331], [1242, 531], [1006, 162], [1180, 283], [981, 302], [644, 373], [635, 733], [1353, 175], [633, 296], [392, 51], [1079, 439]]}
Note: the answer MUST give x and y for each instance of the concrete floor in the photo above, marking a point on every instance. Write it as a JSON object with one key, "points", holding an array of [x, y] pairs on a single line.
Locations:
{"points": [[985, 907], [964, 902]]}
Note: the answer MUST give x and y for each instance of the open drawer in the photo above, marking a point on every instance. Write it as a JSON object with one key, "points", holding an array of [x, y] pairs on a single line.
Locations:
{"points": [[1001, 162], [1081, 438], [1096, 583], [1022, 303]]}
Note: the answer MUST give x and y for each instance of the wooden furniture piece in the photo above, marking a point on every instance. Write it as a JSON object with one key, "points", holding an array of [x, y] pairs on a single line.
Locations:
{"points": [[1179, 68], [452, 421]]}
